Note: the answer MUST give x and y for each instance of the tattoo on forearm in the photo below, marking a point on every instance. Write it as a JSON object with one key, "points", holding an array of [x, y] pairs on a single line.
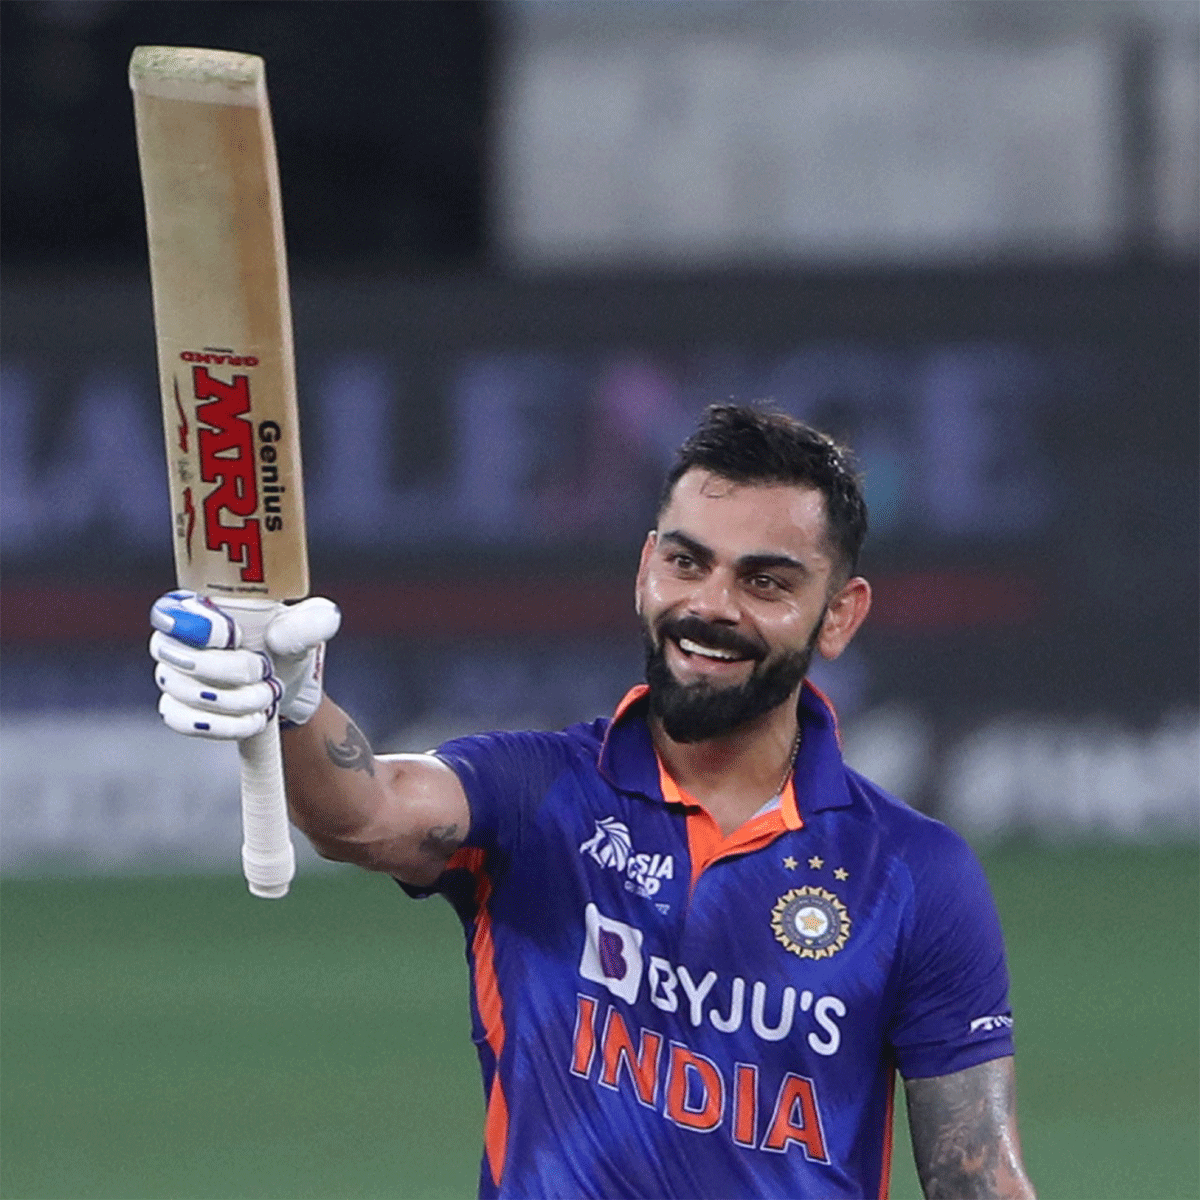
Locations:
{"points": [[963, 1132], [440, 842], [354, 754]]}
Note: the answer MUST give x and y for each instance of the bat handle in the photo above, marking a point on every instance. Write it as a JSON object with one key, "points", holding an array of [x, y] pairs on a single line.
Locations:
{"points": [[268, 858]]}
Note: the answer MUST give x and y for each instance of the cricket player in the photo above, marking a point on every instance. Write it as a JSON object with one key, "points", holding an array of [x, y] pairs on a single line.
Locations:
{"points": [[700, 945]]}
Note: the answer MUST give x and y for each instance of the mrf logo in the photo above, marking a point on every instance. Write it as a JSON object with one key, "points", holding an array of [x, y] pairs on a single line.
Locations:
{"points": [[225, 442]]}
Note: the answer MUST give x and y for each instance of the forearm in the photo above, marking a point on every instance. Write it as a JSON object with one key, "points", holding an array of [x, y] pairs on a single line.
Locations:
{"points": [[335, 789], [964, 1134], [403, 815]]}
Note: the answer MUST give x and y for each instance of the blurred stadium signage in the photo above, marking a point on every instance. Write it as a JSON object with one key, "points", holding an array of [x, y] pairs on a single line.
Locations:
{"points": [[483, 459], [130, 796]]}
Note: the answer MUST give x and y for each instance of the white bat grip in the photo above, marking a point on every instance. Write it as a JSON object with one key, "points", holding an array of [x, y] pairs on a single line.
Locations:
{"points": [[268, 857]]}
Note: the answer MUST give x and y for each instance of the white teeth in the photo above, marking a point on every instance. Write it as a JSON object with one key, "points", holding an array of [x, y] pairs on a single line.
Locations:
{"points": [[691, 647]]}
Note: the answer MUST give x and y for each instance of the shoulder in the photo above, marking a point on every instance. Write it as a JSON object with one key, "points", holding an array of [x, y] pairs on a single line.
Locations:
{"points": [[528, 752], [934, 857], [913, 830], [838, 794], [950, 928], [507, 776]]}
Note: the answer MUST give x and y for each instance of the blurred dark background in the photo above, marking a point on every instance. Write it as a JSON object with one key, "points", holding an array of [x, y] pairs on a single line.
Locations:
{"points": [[380, 116]]}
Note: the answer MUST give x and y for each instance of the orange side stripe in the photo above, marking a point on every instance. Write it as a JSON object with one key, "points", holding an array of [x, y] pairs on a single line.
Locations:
{"points": [[885, 1179], [789, 805], [704, 840], [489, 1005], [495, 1129]]}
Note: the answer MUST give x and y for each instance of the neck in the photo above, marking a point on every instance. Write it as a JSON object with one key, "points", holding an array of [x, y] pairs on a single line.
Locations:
{"points": [[734, 775]]}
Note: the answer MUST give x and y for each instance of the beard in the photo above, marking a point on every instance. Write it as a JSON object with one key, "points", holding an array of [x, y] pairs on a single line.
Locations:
{"points": [[695, 712]]}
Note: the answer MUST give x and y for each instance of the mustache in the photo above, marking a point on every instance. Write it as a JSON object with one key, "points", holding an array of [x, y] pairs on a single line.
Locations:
{"points": [[720, 637]]}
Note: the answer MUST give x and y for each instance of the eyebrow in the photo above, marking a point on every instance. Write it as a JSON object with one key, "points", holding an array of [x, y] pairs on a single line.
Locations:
{"points": [[748, 563]]}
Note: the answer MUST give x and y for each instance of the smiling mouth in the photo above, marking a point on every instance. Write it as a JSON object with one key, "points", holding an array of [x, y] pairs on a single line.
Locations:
{"points": [[695, 648]]}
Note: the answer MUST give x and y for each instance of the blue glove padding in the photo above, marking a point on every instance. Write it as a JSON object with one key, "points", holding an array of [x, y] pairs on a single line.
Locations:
{"points": [[194, 620]]}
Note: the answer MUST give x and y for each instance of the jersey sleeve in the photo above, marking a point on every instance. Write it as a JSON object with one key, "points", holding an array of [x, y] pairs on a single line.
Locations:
{"points": [[952, 1009], [505, 776]]}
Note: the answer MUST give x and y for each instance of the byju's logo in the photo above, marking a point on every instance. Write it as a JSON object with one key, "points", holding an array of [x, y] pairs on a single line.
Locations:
{"points": [[612, 846], [612, 954]]}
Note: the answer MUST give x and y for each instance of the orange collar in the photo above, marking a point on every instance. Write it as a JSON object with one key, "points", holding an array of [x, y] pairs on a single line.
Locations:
{"points": [[707, 844]]}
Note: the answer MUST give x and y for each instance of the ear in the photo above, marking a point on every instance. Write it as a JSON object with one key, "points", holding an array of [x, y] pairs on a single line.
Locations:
{"points": [[845, 613], [643, 567]]}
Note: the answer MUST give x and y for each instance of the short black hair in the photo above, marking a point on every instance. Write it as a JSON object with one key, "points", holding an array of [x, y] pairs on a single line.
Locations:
{"points": [[754, 444]]}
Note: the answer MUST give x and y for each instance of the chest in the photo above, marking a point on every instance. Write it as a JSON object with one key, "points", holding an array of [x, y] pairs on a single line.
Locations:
{"points": [[792, 940]]}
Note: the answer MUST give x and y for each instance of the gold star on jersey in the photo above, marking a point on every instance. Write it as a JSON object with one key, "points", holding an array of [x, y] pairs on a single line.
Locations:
{"points": [[811, 922]]}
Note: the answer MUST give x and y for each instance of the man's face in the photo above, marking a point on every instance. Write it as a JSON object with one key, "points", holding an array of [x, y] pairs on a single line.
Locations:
{"points": [[732, 590]]}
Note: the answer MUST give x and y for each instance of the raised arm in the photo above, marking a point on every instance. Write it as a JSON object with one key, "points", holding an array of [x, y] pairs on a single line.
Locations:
{"points": [[402, 814], [964, 1134]]}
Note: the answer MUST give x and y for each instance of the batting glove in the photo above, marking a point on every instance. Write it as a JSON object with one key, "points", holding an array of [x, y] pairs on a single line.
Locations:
{"points": [[212, 687]]}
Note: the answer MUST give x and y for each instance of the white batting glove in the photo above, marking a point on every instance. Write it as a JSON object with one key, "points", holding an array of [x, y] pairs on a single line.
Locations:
{"points": [[212, 687]]}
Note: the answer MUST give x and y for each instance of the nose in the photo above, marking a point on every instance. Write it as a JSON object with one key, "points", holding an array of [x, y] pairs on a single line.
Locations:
{"points": [[714, 599]]}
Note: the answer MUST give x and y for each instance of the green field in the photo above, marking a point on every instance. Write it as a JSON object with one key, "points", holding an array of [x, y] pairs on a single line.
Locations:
{"points": [[176, 1038]]}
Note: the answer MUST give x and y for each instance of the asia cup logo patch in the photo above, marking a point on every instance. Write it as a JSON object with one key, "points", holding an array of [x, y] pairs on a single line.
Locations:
{"points": [[610, 845], [811, 922]]}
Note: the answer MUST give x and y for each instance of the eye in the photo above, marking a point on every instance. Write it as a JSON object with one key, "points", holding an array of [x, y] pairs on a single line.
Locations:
{"points": [[682, 561], [765, 584]]}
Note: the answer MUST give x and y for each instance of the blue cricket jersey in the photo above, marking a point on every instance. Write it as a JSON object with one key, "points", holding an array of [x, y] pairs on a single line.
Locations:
{"points": [[662, 1011]]}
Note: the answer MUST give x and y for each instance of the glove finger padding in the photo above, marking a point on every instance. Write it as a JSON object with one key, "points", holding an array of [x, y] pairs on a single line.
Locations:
{"points": [[227, 667], [220, 726], [213, 698]]}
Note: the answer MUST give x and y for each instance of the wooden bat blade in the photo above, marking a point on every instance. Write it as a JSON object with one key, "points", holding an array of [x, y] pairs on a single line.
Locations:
{"points": [[223, 321], [223, 328]]}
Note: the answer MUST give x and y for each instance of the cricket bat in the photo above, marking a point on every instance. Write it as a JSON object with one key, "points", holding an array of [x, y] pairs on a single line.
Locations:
{"points": [[223, 328]]}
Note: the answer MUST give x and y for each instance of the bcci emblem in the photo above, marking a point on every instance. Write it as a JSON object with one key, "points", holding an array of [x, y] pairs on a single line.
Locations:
{"points": [[811, 922]]}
